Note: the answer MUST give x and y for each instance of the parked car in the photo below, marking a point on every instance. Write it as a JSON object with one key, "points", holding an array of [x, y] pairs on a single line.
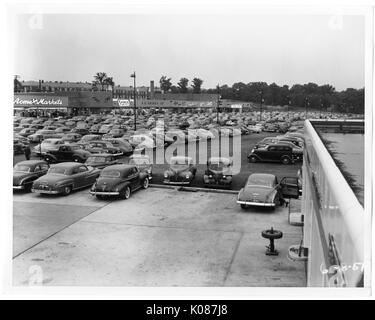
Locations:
{"points": [[273, 153], [67, 152], [26, 132], [102, 146], [119, 180], [47, 145], [91, 137], [218, 172], [181, 171], [263, 190], [124, 146], [71, 137], [101, 160], [63, 178], [143, 163], [26, 172]]}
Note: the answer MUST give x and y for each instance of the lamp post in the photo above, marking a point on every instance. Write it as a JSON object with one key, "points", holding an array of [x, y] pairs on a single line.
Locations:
{"points": [[289, 102], [135, 103], [306, 103], [320, 109], [218, 102], [261, 103]]}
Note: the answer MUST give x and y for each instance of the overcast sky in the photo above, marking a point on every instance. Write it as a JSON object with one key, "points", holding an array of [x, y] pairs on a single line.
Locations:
{"points": [[285, 49]]}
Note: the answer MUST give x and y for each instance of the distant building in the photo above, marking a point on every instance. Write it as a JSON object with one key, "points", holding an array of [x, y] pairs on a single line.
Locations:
{"points": [[54, 86]]}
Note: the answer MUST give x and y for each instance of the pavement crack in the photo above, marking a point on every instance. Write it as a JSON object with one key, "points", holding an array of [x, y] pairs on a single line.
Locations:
{"points": [[58, 231], [232, 258]]}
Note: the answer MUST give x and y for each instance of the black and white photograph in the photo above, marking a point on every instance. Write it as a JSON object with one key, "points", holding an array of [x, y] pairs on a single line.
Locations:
{"points": [[214, 147]]}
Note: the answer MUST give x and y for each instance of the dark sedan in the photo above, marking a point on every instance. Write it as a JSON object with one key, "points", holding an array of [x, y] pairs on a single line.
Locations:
{"points": [[65, 177], [26, 172], [119, 180], [263, 190], [218, 172], [101, 160], [181, 171]]}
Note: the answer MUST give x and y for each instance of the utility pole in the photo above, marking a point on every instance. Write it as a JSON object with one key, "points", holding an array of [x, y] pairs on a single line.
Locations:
{"points": [[218, 102], [135, 102], [320, 109], [306, 103], [261, 103]]}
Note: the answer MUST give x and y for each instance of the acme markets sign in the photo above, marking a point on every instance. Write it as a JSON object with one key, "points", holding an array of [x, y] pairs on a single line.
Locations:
{"points": [[40, 101]]}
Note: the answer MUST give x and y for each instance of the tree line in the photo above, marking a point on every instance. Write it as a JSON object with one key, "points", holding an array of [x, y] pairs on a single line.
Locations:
{"points": [[310, 95]]}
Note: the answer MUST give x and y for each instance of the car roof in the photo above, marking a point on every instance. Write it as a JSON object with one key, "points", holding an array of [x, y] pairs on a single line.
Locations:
{"points": [[226, 161], [68, 165], [120, 167], [267, 176], [31, 162]]}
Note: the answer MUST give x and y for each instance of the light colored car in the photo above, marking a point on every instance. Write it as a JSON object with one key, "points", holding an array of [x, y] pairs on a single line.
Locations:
{"points": [[48, 145], [264, 190]]}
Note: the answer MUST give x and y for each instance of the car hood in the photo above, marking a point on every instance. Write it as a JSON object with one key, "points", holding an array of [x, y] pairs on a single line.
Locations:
{"points": [[250, 193], [182, 171], [225, 172]]}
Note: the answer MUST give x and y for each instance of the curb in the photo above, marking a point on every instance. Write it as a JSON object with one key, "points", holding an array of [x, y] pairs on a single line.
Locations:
{"points": [[194, 189]]}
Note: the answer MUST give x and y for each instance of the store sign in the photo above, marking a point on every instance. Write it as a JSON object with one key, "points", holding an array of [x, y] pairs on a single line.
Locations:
{"points": [[236, 106], [122, 102], [174, 104], [40, 101]]}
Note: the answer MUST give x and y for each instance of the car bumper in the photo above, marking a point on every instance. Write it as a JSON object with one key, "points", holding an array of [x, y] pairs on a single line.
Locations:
{"points": [[176, 182], [256, 204], [103, 193], [217, 182], [18, 187], [45, 191]]}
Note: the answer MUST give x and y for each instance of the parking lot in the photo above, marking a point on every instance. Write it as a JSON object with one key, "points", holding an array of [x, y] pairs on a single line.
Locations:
{"points": [[161, 236], [158, 237], [247, 143]]}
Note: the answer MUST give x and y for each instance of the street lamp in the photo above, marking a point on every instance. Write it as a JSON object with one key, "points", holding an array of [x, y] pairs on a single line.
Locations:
{"points": [[320, 109], [261, 102], [306, 104], [218, 102], [135, 103]]}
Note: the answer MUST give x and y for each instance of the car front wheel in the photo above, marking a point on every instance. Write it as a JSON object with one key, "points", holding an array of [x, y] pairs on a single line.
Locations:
{"points": [[253, 159], [285, 160], [125, 194], [67, 190], [145, 183]]}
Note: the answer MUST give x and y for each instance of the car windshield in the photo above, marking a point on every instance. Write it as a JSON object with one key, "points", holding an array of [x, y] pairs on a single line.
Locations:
{"points": [[260, 181], [110, 174], [21, 168], [218, 166], [96, 159], [58, 171]]}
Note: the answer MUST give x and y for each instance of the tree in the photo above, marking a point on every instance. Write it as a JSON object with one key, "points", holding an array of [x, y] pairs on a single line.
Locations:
{"points": [[109, 82], [165, 84], [183, 85], [197, 83], [100, 79], [17, 86]]}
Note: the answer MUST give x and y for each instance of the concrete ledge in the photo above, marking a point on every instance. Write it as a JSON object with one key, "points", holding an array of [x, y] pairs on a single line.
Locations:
{"points": [[194, 189]]}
